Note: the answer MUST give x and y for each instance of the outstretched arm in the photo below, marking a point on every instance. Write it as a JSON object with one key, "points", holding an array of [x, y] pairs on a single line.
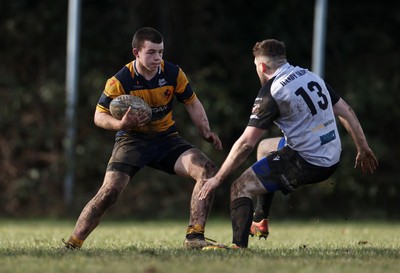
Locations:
{"points": [[365, 156], [199, 117], [238, 154]]}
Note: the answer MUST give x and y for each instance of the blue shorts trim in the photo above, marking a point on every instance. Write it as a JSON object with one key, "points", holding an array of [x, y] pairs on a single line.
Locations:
{"points": [[261, 169], [286, 170], [282, 143]]}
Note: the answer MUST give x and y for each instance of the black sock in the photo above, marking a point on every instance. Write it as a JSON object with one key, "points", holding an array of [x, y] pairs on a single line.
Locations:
{"points": [[263, 206], [241, 214], [195, 236]]}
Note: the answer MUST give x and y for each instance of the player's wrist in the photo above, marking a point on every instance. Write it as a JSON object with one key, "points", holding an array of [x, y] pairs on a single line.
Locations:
{"points": [[219, 179], [206, 131], [207, 135]]}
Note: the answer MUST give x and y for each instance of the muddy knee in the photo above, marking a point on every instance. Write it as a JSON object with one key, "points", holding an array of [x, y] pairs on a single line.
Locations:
{"points": [[202, 167], [247, 185], [105, 198], [210, 169], [238, 189]]}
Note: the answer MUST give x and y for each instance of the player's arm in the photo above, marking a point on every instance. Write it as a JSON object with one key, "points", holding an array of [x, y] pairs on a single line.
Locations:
{"points": [[365, 156], [239, 153], [106, 121], [199, 117]]}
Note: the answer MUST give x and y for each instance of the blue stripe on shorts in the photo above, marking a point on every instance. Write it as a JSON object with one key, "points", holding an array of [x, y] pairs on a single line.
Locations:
{"points": [[261, 169], [282, 143]]}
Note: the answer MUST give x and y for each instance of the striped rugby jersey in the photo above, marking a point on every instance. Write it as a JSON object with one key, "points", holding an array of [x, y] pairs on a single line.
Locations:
{"points": [[158, 93]]}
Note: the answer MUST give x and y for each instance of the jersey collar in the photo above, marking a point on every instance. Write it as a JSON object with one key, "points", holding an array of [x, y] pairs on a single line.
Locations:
{"points": [[281, 68], [137, 72]]}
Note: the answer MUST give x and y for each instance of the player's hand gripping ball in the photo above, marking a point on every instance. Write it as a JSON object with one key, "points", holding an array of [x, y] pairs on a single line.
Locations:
{"points": [[120, 105]]}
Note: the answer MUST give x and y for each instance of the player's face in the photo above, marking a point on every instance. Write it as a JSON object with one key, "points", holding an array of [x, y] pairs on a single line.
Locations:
{"points": [[150, 55]]}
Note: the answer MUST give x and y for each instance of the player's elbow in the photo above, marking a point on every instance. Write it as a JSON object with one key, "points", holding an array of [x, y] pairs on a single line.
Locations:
{"points": [[246, 147], [98, 117]]}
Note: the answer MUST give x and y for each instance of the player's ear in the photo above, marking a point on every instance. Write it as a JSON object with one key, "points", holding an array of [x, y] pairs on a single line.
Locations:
{"points": [[135, 52], [264, 68]]}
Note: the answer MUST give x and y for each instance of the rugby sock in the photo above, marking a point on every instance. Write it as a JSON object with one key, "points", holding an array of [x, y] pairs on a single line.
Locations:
{"points": [[263, 206], [195, 231], [74, 242], [241, 214]]}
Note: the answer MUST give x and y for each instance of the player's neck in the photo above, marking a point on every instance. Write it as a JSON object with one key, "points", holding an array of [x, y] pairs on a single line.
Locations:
{"points": [[144, 72]]}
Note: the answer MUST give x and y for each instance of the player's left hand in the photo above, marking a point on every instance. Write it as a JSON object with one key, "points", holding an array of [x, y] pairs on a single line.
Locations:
{"points": [[209, 186], [367, 160], [214, 139], [137, 119]]}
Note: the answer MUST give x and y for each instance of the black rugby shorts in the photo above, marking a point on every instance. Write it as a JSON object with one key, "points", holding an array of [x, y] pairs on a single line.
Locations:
{"points": [[286, 170], [131, 153]]}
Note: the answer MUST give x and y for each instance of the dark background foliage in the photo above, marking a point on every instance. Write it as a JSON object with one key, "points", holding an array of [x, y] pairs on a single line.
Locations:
{"points": [[212, 42]]}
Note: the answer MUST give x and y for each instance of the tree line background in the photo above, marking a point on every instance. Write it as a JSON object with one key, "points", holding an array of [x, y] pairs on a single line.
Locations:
{"points": [[212, 41]]}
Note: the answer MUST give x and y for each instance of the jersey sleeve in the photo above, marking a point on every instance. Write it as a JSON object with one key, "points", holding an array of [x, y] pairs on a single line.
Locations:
{"points": [[265, 109], [112, 89], [183, 91], [335, 97]]}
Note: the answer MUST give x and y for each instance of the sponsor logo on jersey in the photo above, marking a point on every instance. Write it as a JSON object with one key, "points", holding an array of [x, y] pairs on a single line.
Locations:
{"points": [[327, 137], [159, 109], [325, 124], [293, 76]]}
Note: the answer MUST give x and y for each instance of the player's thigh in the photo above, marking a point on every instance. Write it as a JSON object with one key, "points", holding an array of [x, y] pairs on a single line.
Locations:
{"points": [[194, 163], [247, 185], [266, 146]]}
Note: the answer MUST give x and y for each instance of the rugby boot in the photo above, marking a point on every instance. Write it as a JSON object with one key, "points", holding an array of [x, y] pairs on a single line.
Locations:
{"points": [[73, 243], [222, 247], [195, 238], [260, 229]]}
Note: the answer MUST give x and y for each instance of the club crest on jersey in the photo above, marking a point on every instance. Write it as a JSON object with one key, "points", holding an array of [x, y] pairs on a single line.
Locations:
{"points": [[167, 93], [162, 82]]}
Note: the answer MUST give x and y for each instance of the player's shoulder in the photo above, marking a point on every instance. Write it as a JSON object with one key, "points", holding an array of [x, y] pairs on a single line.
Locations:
{"points": [[267, 87], [125, 71], [172, 72], [169, 68]]}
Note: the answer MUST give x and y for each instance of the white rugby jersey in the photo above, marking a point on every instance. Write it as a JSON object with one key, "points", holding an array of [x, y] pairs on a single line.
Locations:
{"points": [[300, 104]]}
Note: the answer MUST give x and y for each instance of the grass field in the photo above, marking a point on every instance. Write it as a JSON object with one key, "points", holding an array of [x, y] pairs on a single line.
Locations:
{"points": [[152, 247]]}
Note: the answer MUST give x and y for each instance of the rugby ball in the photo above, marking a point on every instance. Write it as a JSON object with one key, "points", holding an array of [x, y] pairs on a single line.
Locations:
{"points": [[119, 105]]}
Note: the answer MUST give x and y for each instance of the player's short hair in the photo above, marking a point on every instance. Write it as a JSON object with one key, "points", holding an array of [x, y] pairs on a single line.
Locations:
{"points": [[271, 48], [146, 34]]}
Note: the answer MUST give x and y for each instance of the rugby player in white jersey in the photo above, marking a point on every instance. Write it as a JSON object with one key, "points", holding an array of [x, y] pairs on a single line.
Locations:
{"points": [[303, 107]]}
